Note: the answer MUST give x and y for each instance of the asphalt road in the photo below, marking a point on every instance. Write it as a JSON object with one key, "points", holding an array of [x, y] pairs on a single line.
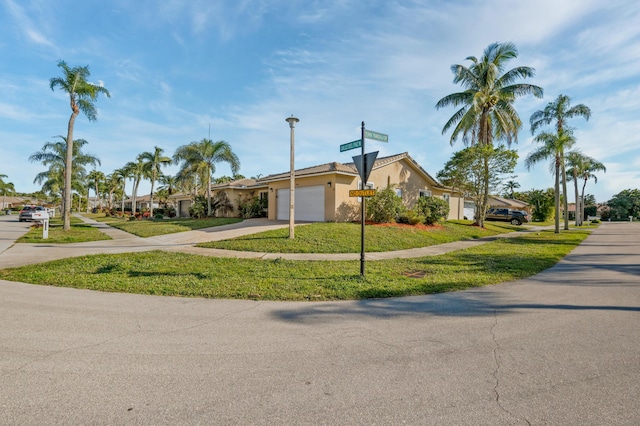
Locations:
{"points": [[560, 348]]}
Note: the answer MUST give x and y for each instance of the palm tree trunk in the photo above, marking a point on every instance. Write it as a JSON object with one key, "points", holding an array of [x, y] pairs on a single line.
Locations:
{"points": [[124, 193], [578, 215], [209, 192], [557, 197], [566, 198], [582, 199], [485, 195], [153, 180], [134, 195], [68, 169]]}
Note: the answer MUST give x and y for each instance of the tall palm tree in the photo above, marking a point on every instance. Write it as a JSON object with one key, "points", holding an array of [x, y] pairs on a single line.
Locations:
{"points": [[6, 187], [123, 174], [582, 167], [96, 178], [136, 173], [487, 112], [554, 147], [203, 156], [53, 155], [153, 162], [510, 187], [82, 96], [113, 183], [557, 113], [169, 183], [575, 161]]}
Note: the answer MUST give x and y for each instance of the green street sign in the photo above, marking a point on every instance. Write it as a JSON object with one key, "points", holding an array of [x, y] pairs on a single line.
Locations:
{"points": [[381, 137], [351, 145]]}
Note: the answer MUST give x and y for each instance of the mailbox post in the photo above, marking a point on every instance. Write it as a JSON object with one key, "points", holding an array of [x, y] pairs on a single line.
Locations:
{"points": [[43, 218]]}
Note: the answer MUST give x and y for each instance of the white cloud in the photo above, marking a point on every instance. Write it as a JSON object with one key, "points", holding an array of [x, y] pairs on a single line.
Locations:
{"points": [[25, 24]]}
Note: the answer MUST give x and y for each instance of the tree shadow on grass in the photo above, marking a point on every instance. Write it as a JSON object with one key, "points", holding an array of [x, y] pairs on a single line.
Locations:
{"points": [[138, 274]]}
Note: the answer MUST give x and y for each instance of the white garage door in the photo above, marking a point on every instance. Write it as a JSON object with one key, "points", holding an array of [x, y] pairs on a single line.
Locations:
{"points": [[309, 205]]}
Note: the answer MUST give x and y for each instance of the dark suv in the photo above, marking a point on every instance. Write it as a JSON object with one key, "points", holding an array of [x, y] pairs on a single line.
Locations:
{"points": [[27, 211], [516, 217]]}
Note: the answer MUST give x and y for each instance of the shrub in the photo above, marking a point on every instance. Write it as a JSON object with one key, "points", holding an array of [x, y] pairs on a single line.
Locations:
{"points": [[385, 206], [158, 216], [170, 212], [198, 209], [410, 217], [433, 209], [251, 207]]}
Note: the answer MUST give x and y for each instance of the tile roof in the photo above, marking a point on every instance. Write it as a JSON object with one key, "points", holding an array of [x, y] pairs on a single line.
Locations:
{"points": [[508, 201], [314, 170]]}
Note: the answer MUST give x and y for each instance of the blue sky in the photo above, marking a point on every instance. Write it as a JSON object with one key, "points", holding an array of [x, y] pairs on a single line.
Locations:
{"points": [[177, 68]]}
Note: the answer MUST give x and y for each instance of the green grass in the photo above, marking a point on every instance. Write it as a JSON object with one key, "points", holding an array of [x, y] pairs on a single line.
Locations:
{"points": [[345, 237], [79, 233], [151, 228], [179, 274]]}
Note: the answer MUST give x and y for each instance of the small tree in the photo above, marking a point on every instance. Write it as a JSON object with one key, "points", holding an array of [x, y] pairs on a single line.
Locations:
{"points": [[476, 166], [385, 206], [433, 209], [624, 204], [542, 203]]}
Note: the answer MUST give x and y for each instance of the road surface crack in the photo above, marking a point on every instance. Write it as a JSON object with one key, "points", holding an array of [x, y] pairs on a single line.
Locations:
{"points": [[496, 371]]}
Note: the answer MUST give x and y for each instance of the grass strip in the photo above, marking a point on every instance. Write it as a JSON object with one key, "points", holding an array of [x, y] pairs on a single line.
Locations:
{"points": [[80, 232], [152, 227], [179, 274]]}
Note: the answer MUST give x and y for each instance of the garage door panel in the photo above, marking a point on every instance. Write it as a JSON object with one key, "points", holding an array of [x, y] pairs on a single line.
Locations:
{"points": [[309, 205]]}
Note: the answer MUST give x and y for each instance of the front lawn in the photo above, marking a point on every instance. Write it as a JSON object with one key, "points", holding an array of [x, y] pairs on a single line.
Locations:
{"points": [[345, 237], [80, 232], [179, 274], [152, 227]]}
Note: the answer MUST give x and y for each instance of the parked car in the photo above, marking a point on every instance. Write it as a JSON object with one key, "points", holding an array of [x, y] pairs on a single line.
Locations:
{"points": [[516, 217], [27, 211]]}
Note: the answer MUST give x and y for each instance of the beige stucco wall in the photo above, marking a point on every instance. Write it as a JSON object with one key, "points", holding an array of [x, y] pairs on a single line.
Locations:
{"points": [[346, 208], [235, 195]]}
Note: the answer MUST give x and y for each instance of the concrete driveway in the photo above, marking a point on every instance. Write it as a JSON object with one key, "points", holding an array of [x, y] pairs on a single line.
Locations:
{"points": [[560, 348]]}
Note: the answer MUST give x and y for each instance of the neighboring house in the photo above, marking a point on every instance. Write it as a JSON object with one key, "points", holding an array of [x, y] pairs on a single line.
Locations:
{"points": [[181, 202], [142, 202], [10, 201], [322, 191]]}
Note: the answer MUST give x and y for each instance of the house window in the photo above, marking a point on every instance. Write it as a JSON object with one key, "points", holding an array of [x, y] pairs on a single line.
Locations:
{"points": [[446, 197], [425, 193]]}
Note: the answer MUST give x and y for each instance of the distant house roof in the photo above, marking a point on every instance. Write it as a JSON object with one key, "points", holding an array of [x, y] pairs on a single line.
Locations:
{"points": [[15, 201], [320, 169], [243, 183], [496, 201]]}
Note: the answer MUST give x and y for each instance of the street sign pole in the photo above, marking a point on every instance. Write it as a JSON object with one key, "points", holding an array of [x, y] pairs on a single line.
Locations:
{"points": [[364, 163], [364, 186]]}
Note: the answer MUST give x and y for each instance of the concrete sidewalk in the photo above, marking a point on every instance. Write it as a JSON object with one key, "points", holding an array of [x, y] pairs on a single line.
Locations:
{"points": [[13, 255]]}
